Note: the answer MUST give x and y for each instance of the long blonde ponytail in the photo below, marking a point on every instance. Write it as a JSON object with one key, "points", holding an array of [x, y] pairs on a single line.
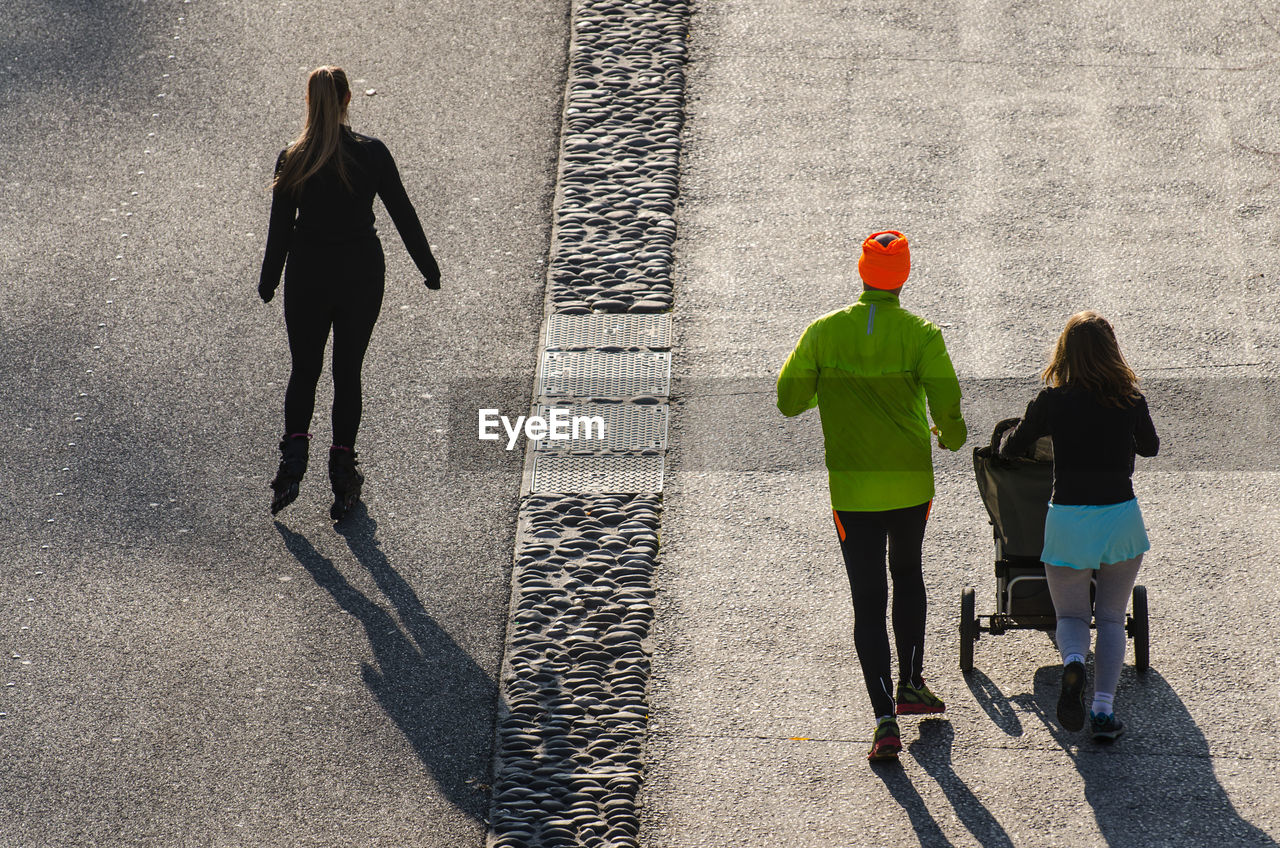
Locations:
{"points": [[320, 139]]}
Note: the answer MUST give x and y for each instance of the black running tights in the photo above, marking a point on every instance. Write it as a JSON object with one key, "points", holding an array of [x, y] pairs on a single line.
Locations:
{"points": [[339, 287], [863, 540]]}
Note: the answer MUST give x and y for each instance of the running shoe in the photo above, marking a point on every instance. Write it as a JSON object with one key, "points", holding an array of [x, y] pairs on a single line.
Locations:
{"points": [[1071, 698], [918, 700], [1106, 727], [886, 743]]}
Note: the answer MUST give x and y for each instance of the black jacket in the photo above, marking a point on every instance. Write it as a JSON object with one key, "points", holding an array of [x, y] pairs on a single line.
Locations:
{"points": [[1093, 444], [328, 213]]}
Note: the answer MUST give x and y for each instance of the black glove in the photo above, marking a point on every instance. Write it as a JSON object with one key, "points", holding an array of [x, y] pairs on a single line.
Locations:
{"points": [[266, 292]]}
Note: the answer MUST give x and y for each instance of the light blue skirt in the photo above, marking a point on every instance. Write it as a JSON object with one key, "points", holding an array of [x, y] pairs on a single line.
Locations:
{"points": [[1088, 536]]}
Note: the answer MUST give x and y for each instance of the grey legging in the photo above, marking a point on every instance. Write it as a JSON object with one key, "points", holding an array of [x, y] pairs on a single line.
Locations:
{"points": [[1069, 588]]}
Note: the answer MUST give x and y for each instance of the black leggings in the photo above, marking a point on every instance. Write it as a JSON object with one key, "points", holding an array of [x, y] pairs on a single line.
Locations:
{"points": [[863, 537], [337, 286]]}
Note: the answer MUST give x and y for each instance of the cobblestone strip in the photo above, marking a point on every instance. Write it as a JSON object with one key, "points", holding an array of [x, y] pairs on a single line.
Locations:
{"points": [[571, 727], [571, 733], [620, 156]]}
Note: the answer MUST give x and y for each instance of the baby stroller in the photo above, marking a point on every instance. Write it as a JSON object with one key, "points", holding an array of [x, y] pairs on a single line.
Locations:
{"points": [[1016, 494]]}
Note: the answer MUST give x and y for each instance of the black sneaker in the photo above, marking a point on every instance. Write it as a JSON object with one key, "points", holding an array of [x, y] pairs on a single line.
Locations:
{"points": [[1106, 727], [1071, 698]]}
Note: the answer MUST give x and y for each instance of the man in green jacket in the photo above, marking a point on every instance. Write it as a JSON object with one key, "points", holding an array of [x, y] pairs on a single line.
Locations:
{"points": [[870, 368]]}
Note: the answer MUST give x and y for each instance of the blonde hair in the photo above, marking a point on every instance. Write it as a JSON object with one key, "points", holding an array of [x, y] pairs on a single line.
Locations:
{"points": [[1088, 357], [319, 143]]}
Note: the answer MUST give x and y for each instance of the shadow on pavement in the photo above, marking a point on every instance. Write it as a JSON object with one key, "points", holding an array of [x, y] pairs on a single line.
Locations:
{"points": [[85, 48], [1156, 785], [905, 793], [932, 750], [433, 690], [993, 702]]}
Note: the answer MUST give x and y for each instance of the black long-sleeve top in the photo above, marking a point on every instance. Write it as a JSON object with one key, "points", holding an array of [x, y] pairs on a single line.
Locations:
{"points": [[1093, 444], [327, 212]]}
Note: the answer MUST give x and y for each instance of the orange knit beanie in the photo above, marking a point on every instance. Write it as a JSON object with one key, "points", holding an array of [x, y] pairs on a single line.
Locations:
{"points": [[885, 266]]}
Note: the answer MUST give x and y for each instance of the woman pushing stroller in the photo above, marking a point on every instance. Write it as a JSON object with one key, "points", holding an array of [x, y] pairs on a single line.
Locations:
{"points": [[1094, 530]]}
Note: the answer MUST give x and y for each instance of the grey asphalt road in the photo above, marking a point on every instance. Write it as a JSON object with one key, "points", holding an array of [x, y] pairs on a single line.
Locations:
{"points": [[177, 669], [1043, 158]]}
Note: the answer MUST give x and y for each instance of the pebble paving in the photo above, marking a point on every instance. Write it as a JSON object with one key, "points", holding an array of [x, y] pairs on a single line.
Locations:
{"points": [[570, 737], [620, 156], [571, 728]]}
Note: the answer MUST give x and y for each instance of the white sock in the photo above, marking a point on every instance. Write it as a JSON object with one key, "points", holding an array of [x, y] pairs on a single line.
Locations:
{"points": [[882, 719], [1070, 658], [1103, 703]]}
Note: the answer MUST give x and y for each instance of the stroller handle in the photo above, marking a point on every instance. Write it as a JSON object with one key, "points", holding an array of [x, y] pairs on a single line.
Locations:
{"points": [[1001, 428]]}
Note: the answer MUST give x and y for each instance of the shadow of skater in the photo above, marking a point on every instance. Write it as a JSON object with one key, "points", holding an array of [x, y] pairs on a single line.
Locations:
{"points": [[433, 690], [908, 798], [1156, 785], [932, 750]]}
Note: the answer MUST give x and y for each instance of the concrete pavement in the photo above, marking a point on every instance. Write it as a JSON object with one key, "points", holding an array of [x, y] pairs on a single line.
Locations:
{"points": [[1043, 158], [182, 674], [177, 669]]}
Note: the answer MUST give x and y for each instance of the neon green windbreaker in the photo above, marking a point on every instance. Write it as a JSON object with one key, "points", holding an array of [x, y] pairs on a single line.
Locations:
{"points": [[870, 368]]}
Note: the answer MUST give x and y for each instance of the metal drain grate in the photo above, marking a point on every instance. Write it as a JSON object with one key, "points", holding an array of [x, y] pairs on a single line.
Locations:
{"points": [[627, 427], [621, 331], [604, 473], [603, 374]]}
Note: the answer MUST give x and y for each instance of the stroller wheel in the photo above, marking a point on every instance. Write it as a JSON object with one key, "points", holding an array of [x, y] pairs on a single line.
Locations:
{"points": [[968, 629], [1140, 629]]}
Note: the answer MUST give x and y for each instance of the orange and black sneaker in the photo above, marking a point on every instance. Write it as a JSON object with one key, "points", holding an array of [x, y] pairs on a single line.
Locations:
{"points": [[918, 700], [887, 741]]}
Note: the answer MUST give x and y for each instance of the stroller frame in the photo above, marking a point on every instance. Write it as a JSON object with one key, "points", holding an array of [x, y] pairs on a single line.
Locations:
{"points": [[1022, 590]]}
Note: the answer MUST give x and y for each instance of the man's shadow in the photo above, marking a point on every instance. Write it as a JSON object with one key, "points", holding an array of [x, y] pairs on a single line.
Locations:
{"points": [[932, 751], [1154, 786], [431, 688], [908, 797]]}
